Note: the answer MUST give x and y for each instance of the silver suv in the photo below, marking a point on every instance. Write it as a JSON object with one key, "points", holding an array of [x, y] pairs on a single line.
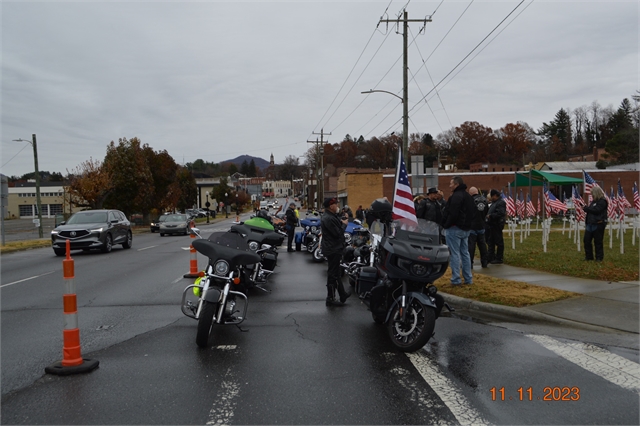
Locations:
{"points": [[92, 229]]}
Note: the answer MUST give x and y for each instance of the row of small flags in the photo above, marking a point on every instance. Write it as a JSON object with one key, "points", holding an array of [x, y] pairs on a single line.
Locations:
{"points": [[617, 202]]}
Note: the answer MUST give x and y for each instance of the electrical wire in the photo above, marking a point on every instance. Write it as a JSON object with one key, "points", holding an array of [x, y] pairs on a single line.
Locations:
{"points": [[14, 156], [352, 69]]}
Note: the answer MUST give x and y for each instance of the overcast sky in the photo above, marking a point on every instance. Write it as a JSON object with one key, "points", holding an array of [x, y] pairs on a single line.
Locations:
{"points": [[215, 80]]}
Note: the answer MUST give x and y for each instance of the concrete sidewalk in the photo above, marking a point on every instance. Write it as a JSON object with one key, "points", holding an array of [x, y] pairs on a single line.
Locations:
{"points": [[612, 305]]}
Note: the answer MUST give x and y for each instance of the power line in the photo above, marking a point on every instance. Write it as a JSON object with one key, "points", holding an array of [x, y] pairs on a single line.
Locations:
{"points": [[14, 156]]}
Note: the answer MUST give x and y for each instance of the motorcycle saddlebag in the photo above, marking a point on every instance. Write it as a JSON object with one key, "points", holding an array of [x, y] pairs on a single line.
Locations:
{"points": [[269, 261], [367, 279]]}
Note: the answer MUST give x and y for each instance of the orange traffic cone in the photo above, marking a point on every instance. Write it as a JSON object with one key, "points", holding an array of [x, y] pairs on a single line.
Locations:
{"points": [[193, 262], [72, 361]]}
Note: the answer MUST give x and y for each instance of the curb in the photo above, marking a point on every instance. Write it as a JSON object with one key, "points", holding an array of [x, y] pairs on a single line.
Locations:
{"points": [[520, 313]]}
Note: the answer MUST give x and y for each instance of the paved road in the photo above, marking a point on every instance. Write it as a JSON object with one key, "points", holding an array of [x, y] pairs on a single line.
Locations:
{"points": [[298, 362]]}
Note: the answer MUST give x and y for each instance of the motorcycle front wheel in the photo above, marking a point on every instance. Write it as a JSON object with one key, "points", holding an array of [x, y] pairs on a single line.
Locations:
{"points": [[317, 255], [205, 323], [416, 330]]}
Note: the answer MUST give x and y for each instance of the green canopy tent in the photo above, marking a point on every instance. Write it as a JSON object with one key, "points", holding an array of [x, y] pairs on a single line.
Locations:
{"points": [[538, 177]]}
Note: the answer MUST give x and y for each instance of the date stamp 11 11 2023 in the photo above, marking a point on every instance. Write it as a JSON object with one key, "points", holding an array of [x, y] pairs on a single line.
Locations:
{"points": [[549, 393]]}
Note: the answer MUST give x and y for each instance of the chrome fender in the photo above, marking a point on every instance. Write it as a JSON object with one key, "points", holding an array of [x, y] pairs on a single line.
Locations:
{"points": [[422, 298]]}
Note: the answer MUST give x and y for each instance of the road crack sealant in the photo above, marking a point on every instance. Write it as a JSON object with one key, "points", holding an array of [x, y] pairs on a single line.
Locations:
{"points": [[446, 390], [611, 367], [226, 401]]}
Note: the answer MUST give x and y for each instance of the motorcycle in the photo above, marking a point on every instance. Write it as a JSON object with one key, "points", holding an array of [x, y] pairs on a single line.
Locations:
{"points": [[310, 225], [397, 284], [223, 286], [263, 240]]}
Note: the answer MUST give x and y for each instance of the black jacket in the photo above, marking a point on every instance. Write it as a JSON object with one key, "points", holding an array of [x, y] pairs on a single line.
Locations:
{"points": [[429, 210], [460, 209], [497, 212], [482, 210], [597, 211], [332, 233], [292, 219]]}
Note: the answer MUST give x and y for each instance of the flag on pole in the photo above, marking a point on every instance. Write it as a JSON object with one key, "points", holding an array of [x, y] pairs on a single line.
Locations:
{"points": [[511, 207], [531, 210], [612, 206], [621, 198], [553, 203], [636, 196], [403, 207], [588, 182], [520, 205], [578, 204], [539, 210]]}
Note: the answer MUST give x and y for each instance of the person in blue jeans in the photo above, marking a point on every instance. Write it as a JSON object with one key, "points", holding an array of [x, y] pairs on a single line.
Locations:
{"points": [[459, 213]]}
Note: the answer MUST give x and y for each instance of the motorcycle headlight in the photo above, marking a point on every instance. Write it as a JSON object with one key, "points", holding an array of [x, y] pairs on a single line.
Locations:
{"points": [[306, 228], [253, 245], [314, 228], [221, 267], [418, 269]]}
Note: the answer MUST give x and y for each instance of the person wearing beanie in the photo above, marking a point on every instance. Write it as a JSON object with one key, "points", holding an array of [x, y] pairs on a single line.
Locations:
{"points": [[332, 247]]}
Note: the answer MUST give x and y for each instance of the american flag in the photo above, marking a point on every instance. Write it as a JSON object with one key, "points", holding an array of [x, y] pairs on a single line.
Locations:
{"points": [[588, 183], [553, 203], [520, 207], [636, 196], [578, 204], [612, 207], [531, 210], [539, 209], [511, 208], [403, 207], [622, 200]]}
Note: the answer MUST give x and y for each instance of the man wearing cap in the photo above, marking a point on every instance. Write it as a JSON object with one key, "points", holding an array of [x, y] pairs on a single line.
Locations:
{"points": [[332, 247], [459, 214], [292, 221], [429, 208]]}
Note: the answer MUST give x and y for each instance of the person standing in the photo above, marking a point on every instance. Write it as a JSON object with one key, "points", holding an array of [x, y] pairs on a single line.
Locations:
{"points": [[429, 208], [496, 217], [476, 236], [291, 222], [332, 247], [459, 214], [595, 224], [360, 214]]}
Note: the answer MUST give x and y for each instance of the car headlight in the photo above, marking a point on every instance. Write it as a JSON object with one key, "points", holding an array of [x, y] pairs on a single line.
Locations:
{"points": [[253, 245], [96, 230], [54, 232], [221, 267]]}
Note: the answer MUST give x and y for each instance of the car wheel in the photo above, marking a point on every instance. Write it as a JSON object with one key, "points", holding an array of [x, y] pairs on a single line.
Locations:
{"points": [[59, 252], [161, 234], [127, 244], [108, 244]]}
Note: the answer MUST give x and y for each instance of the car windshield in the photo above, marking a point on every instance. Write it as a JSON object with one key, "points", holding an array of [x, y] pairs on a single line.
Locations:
{"points": [[176, 218], [87, 217]]}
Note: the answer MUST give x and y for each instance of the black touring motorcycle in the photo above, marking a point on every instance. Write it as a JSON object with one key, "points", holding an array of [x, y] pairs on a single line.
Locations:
{"points": [[397, 285]]}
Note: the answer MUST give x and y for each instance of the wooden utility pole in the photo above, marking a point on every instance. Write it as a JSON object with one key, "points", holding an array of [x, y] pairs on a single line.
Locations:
{"points": [[405, 76], [319, 170]]}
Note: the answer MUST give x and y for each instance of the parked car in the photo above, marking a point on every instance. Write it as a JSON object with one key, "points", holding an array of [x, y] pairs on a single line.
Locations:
{"points": [[175, 224], [92, 229], [265, 205], [155, 225]]}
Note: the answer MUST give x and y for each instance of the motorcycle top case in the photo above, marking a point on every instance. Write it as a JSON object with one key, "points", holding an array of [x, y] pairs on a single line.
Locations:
{"points": [[269, 261]]}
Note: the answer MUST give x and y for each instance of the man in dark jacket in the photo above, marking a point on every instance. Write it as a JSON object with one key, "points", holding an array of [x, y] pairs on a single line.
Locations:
{"points": [[476, 236], [332, 247], [429, 208], [595, 224], [459, 213], [292, 221], [496, 217]]}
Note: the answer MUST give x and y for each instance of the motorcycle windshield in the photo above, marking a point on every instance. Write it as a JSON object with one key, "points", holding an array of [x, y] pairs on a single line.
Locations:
{"points": [[402, 228]]}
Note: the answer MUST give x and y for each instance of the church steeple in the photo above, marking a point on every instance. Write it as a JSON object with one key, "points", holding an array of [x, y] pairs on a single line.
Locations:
{"points": [[271, 162]]}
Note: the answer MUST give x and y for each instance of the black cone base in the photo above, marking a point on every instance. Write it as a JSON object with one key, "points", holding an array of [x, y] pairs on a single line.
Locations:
{"points": [[59, 370]]}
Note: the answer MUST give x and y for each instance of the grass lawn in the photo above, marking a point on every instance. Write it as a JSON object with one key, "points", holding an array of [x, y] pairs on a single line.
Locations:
{"points": [[562, 256]]}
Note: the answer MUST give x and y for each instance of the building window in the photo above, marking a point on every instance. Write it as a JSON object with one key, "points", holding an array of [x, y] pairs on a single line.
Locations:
{"points": [[27, 210], [55, 209]]}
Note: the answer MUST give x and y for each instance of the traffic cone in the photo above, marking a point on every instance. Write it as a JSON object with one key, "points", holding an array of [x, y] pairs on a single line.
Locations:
{"points": [[72, 361], [193, 262]]}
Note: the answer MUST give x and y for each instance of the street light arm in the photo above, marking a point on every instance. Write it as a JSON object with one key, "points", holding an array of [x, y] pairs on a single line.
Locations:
{"points": [[383, 91]]}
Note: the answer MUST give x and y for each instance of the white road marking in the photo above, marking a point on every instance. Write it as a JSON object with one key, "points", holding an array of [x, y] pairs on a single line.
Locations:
{"points": [[614, 368], [226, 347], [446, 390], [26, 279], [225, 402], [146, 248]]}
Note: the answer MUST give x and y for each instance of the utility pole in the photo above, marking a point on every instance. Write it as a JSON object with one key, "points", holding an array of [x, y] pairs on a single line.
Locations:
{"points": [[405, 76], [319, 171]]}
